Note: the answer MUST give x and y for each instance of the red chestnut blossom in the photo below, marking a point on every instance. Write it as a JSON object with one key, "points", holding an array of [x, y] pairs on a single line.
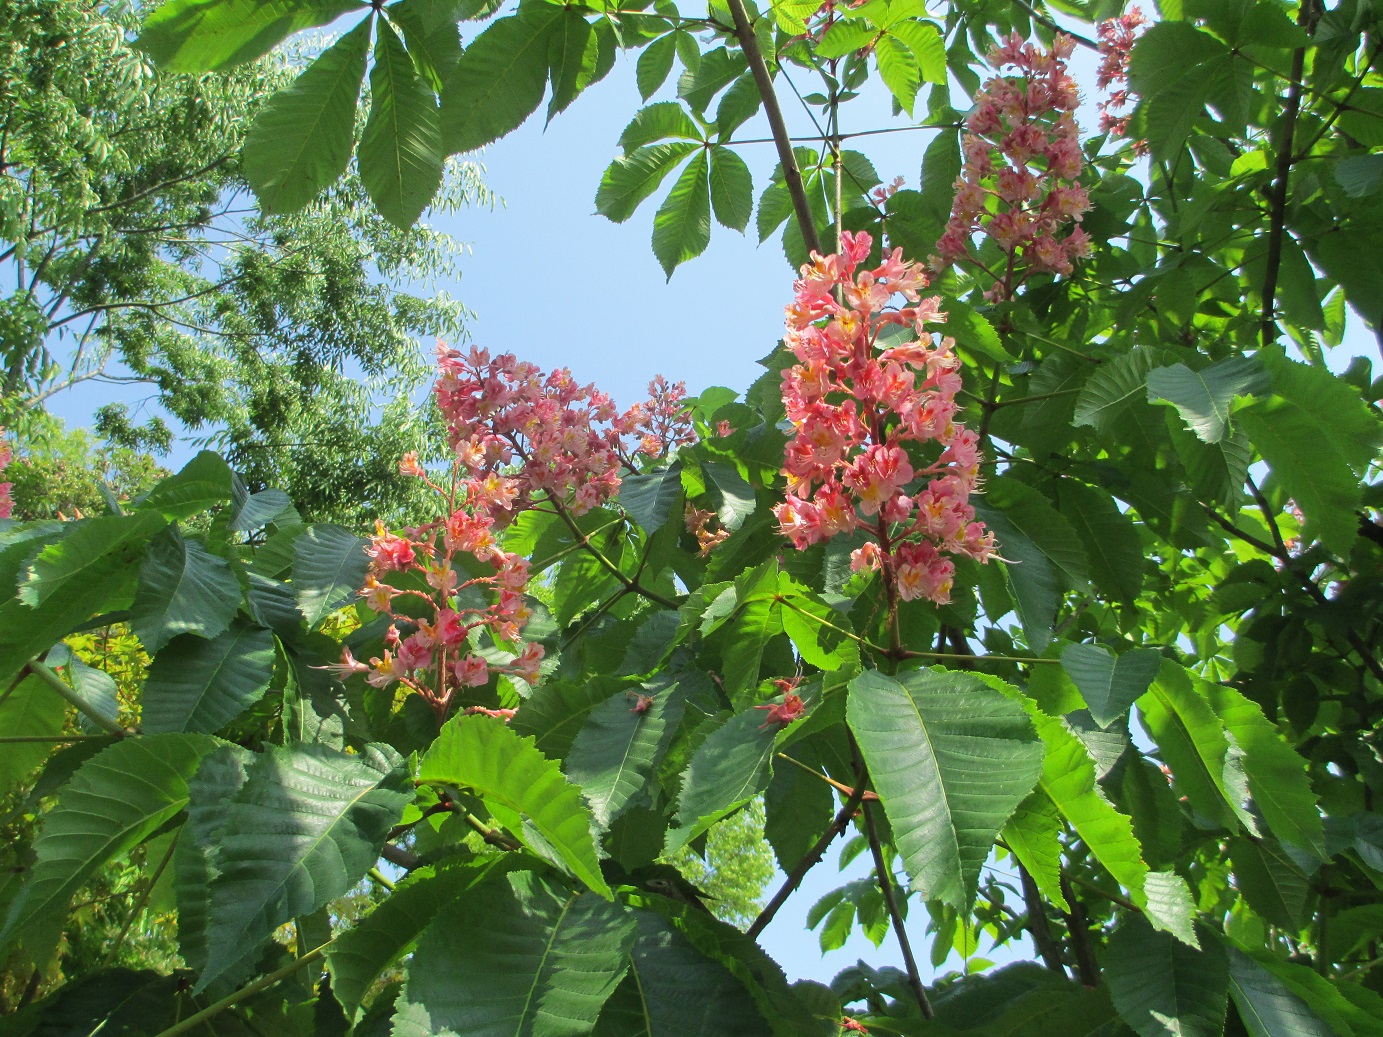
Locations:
{"points": [[6, 500], [662, 422], [1018, 185], [783, 713], [848, 1025], [859, 406], [1116, 38]]}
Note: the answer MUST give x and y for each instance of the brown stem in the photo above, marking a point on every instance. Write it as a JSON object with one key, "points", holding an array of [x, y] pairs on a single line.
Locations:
{"points": [[792, 177], [1038, 926], [812, 858], [896, 916], [845, 790], [397, 855], [1087, 968], [611, 567]]}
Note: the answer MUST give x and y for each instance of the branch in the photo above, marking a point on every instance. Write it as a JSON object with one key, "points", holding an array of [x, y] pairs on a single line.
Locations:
{"points": [[895, 915], [1079, 929], [263, 983], [397, 855], [1038, 926], [611, 567], [59, 685], [792, 177], [1048, 23], [812, 858]]}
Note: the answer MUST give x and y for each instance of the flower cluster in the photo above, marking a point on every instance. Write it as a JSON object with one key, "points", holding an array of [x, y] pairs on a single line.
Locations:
{"points": [[857, 407], [699, 525], [517, 431], [1019, 184], [1116, 38], [6, 500]]}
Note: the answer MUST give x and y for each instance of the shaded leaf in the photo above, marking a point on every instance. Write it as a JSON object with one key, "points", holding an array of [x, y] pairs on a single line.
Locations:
{"points": [[1162, 987], [1110, 684], [200, 685], [329, 566], [183, 589]]}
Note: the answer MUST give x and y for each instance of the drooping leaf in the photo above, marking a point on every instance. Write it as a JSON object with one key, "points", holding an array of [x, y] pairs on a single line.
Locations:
{"points": [[1031, 833], [200, 685], [301, 141], [618, 747], [183, 589], [500, 78], [303, 829], [1108, 535], [729, 769], [209, 35], [631, 178], [1162, 987], [1110, 684], [1272, 883], [951, 759], [434, 42], [733, 497], [548, 962], [682, 224], [115, 801], [483, 754], [259, 509], [732, 189], [329, 566], [400, 154]]}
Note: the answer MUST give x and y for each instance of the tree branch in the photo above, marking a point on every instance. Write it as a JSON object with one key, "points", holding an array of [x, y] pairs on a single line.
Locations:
{"points": [[59, 685], [895, 914], [1038, 926]]}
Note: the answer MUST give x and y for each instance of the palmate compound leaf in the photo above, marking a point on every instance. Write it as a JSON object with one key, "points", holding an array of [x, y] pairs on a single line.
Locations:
{"points": [[307, 824], [951, 759], [1110, 684], [183, 589], [618, 748], [1162, 987], [196, 684], [361, 954], [510, 774], [674, 991], [301, 141], [114, 801], [519, 957]]}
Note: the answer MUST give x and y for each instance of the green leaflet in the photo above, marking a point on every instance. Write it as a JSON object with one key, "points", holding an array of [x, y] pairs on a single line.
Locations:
{"points": [[618, 748], [732, 189], [183, 588], [1110, 538], [201, 484], [682, 224], [361, 954], [483, 754], [306, 825], [301, 141], [1267, 1005], [1110, 684], [115, 801], [729, 768], [93, 552], [1163, 988], [951, 759], [1031, 833], [1272, 883], [400, 154], [557, 710], [329, 566], [631, 178], [207, 35], [549, 960], [500, 78], [200, 685], [649, 497], [1203, 398]]}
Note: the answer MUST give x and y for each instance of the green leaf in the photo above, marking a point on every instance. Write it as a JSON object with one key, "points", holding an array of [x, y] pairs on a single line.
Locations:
{"points": [[364, 952], [480, 753], [259, 509], [924, 41], [673, 990], [1163, 988], [631, 178], [1110, 684], [89, 553], [898, 70], [183, 589], [1270, 881], [659, 122], [618, 748], [732, 189], [805, 620], [716, 70], [650, 496], [729, 769], [31, 710], [500, 79], [329, 567], [548, 961], [198, 684], [1109, 536], [1031, 833], [557, 710], [202, 484], [1168, 906], [1115, 386], [434, 42], [951, 759], [209, 35], [1277, 773], [1191, 740], [400, 156], [973, 332], [115, 801], [1031, 577], [1347, 1008], [1268, 1006], [301, 141], [1203, 398], [682, 225], [654, 65], [573, 55], [740, 104], [304, 828], [845, 37]]}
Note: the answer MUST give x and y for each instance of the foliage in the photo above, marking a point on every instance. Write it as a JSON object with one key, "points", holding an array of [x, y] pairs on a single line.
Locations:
{"points": [[1139, 671]]}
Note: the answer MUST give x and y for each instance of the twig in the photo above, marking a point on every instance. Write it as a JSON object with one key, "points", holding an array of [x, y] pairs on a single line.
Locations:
{"points": [[1048, 23], [845, 790], [792, 177], [1078, 928], [405, 859], [142, 899], [618, 573], [812, 858], [263, 983], [1038, 926], [59, 685], [16, 739], [895, 915]]}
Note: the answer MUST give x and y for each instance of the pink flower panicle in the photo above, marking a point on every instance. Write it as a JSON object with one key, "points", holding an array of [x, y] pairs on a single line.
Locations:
{"points": [[1019, 183], [884, 192], [6, 498], [663, 421], [855, 407], [1116, 38]]}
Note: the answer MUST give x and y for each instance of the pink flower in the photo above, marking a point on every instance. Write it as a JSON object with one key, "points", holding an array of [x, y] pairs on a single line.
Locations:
{"points": [[347, 667], [783, 713], [472, 671]]}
